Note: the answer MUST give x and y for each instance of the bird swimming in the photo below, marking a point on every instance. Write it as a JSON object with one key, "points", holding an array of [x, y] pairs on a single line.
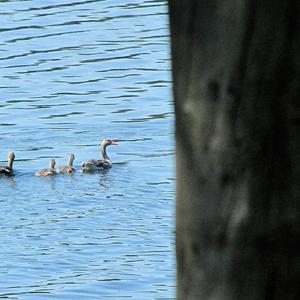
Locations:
{"points": [[99, 164], [47, 171], [8, 169], [69, 168]]}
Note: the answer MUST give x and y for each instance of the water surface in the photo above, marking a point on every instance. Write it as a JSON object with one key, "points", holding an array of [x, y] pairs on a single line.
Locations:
{"points": [[72, 73]]}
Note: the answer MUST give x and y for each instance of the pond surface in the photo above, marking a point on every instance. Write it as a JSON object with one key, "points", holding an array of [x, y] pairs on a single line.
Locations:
{"points": [[74, 72]]}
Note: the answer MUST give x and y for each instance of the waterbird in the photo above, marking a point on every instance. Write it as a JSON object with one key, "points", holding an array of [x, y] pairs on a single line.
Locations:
{"points": [[47, 171], [8, 169], [99, 164], [69, 168]]}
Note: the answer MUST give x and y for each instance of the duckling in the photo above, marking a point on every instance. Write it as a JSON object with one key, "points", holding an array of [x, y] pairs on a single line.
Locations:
{"points": [[47, 171], [69, 168], [8, 170]]}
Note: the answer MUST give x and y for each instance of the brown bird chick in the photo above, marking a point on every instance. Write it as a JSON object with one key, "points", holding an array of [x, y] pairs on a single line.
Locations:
{"points": [[69, 169], [47, 171]]}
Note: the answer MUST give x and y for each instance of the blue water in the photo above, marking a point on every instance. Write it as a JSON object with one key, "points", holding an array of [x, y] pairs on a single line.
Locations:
{"points": [[74, 72]]}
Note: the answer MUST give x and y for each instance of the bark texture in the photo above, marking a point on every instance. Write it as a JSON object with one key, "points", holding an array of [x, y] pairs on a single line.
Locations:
{"points": [[236, 76]]}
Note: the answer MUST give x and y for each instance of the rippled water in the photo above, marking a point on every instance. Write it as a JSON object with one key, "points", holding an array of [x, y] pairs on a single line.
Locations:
{"points": [[73, 72]]}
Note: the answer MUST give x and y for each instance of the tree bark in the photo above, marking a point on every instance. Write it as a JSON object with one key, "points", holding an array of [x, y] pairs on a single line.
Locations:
{"points": [[236, 76]]}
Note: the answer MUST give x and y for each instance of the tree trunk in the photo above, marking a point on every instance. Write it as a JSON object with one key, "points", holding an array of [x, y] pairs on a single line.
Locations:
{"points": [[236, 76]]}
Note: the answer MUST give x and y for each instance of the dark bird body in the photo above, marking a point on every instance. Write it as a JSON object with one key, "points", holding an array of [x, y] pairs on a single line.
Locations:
{"points": [[8, 169]]}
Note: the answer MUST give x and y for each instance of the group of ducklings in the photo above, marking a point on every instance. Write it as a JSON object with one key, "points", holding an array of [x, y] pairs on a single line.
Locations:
{"points": [[62, 169], [87, 166]]}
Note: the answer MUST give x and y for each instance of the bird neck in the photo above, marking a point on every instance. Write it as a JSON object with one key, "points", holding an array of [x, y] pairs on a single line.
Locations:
{"points": [[10, 163], [103, 151], [70, 164]]}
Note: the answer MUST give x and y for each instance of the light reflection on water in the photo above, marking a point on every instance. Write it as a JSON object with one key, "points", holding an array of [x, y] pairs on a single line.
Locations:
{"points": [[73, 72]]}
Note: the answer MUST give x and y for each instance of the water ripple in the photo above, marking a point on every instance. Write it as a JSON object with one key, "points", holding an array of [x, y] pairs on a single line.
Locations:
{"points": [[45, 36], [72, 73]]}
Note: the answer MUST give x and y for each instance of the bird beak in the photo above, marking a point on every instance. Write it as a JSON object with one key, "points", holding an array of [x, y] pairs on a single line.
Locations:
{"points": [[114, 143]]}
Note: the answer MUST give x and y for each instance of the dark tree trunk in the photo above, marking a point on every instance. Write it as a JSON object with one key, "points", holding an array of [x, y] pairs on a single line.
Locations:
{"points": [[236, 75]]}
